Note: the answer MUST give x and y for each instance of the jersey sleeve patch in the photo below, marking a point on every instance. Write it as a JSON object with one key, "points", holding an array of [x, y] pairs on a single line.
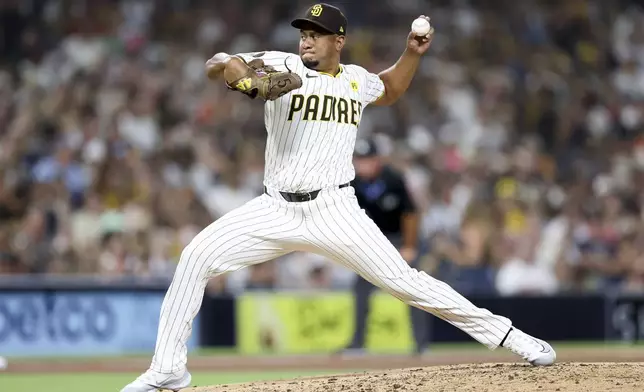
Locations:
{"points": [[372, 88]]}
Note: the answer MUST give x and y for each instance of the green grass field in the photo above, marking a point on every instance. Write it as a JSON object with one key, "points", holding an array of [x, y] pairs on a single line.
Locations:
{"points": [[101, 382], [110, 382], [435, 347]]}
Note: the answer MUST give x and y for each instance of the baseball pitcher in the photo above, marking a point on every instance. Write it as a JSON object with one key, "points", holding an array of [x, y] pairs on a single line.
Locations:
{"points": [[313, 107]]}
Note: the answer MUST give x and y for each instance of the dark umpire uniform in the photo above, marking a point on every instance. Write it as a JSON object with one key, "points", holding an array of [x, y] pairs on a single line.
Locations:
{"points": [[382, 193]]}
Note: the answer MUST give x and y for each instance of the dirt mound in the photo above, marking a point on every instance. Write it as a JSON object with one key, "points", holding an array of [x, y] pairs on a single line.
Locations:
{"points": [[565, 377]]}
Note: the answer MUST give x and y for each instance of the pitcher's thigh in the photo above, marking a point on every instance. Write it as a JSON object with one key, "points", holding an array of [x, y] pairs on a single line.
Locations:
{"points": [[347, 235], [251, 234], [351, 238]]}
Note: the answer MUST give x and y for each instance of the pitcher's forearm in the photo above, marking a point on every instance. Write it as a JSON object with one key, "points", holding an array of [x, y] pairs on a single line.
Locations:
{"points": [[398, 77], [223, 65]]}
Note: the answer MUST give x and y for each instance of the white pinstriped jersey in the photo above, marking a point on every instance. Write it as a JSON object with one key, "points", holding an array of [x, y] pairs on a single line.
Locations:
{"points": [[311, 136], [312, 130]]}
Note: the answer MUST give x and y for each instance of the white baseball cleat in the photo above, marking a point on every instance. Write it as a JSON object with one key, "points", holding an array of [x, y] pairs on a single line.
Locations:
{"points": [[535, 351], [153, 382]]}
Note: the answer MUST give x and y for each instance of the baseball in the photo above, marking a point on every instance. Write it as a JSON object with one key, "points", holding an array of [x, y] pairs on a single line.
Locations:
{"points": [[420, 27]]}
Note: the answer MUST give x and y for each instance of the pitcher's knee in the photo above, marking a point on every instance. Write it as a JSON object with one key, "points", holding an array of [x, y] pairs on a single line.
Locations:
{"points": [[201, 257], [408, 285]]}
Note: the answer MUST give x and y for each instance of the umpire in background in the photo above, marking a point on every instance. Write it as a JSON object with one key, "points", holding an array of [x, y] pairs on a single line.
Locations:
{"points": [[381, 191]]}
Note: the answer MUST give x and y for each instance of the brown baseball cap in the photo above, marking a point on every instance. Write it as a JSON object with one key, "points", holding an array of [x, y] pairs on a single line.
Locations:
{"points": [[325, 16]]}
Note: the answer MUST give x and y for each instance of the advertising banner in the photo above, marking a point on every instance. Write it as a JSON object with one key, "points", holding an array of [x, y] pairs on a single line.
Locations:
{"points": [[54, 323], [299, 323]]}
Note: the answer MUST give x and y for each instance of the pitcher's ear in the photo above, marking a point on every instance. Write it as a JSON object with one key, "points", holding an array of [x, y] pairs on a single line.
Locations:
{"points": [[339, 42]]}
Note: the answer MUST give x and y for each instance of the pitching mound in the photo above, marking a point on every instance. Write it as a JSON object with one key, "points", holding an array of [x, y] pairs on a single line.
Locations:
{"points": [[566, 377]]}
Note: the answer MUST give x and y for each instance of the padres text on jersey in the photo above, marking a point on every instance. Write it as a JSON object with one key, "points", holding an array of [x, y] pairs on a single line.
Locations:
{"points": [[312, 130]]}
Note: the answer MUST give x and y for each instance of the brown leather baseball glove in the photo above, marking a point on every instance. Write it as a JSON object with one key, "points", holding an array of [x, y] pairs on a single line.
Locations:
{"points": [[265, 81]]}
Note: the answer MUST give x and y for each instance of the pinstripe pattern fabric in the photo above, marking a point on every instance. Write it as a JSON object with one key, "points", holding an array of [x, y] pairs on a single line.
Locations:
{"points": [[305, 155], [334, 226], [254, 233], [342, 231], [310, 147]]}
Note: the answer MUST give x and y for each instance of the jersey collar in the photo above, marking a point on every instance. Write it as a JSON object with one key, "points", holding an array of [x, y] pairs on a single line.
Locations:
{"points": [[331, 75]]}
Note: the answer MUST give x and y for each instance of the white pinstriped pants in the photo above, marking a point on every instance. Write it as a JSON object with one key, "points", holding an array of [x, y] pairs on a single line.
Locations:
{"points": [[332, 225]]}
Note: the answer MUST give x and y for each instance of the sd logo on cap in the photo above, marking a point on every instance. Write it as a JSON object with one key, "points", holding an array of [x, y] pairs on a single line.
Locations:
{"points": [[325, 17]]}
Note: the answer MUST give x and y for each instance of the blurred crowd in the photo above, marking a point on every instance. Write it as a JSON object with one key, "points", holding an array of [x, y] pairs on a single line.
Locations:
{"points": [[521, 137]]}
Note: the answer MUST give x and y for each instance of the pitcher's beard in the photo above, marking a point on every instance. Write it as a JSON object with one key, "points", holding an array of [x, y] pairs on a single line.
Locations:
{"points": [[311, 64]]}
